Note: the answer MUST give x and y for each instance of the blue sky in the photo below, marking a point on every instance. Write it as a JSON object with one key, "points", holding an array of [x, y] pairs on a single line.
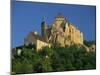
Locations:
{"points": [[27, 17]]}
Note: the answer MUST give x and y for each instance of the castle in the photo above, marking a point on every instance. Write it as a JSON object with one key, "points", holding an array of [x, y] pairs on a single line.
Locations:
{"points": [[61, 31]]}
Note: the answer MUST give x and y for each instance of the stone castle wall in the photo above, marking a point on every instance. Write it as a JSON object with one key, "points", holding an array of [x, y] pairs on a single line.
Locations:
{"points": [[65, 33], [61, 32]]}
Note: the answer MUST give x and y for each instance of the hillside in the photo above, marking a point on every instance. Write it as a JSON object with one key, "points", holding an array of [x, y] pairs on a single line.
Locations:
{"points": [[25, 59]]}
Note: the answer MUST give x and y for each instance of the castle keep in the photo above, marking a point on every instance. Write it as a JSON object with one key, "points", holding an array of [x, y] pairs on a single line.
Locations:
{"points": [[61, 31]]}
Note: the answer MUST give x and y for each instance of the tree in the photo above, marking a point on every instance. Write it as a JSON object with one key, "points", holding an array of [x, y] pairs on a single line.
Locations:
{"points": [[22, 67], [56, 58], [89, 43]]}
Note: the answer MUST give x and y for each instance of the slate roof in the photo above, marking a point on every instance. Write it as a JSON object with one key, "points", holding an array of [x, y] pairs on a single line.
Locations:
{"points": [[36, 36]]}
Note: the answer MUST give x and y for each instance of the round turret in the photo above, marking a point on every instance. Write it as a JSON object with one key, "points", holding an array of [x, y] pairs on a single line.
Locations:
{"points": [[44, 27]]}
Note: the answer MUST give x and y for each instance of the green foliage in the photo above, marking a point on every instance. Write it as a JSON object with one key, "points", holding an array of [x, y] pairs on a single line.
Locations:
{"points": [[56, 58], [22, 67], [89, 43]]}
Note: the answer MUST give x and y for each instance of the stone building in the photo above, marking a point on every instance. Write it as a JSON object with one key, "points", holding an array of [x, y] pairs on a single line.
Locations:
{"points": [[61, 31], [34, 39]]}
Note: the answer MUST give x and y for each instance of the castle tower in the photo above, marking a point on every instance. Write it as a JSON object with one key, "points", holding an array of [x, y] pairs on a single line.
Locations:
{"points": [[58, 20], [44, 28]]}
